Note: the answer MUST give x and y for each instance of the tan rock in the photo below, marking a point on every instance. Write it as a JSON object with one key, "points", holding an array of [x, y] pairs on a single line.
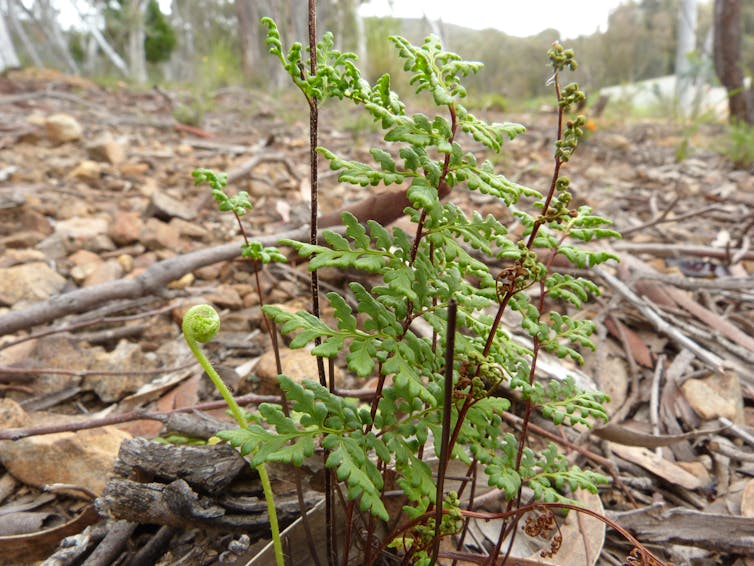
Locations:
{"points": [[104, 272], [29, 282], [13, 257], [126, 262], [87, 170], [183, 282], [99, 243], [190, 229], [126, 228], [224, 296], [22, 239], [83, 458], [79, 273], [82, 257], [715, 396], [81, 228], [17, 354], [158, 234], [136, 170], [297, 364], [144, 261], [127, 356], [25, 217], [12, 415], [747, 499], [57, 352], [209, 272], [105, 148], [72, 208], [53, 247], [62, 128], [36, 118], [84, 263]]}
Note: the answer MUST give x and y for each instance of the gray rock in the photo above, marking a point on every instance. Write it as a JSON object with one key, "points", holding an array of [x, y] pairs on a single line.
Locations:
{"points": [[165, 207]]}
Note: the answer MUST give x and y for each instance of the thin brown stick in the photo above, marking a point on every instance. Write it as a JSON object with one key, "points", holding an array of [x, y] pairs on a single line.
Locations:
{"points": [[659, 323], [25, 432], [6, 370], [675, 250]]}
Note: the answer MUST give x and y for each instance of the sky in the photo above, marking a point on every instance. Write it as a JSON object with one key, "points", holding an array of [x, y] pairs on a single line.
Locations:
{"points": [[514, 17]]}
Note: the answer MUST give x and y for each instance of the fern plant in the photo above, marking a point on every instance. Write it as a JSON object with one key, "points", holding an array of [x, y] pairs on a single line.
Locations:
{"points": [[445, 259]]}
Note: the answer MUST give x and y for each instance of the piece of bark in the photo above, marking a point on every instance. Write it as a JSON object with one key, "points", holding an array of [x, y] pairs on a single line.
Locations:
{"points": [[619, 434], [154, 549], [112, 545], [663, 249], [206, 468], [194, 425], [719, 533], [30, 547], [177, 505]]}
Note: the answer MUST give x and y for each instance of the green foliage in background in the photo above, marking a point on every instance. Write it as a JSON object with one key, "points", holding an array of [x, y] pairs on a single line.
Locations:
{"points": [[160, 39], [739, 145]]}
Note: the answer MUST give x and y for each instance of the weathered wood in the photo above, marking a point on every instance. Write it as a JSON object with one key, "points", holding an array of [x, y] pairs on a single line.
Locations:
{"points": [[187, 487], [719, 533], [177, 505], [206, 468]]}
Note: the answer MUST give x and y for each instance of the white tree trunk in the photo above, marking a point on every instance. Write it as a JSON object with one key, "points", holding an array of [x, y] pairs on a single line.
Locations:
{"points": [[685, 46], [109, 52], [8, 56], [136, 57], [181, 64], [49, 19], [19, 30], [361, 41]]}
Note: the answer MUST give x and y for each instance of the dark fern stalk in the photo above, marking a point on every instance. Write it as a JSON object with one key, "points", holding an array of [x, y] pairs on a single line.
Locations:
{"points": [[446, 415], [560, 59]]}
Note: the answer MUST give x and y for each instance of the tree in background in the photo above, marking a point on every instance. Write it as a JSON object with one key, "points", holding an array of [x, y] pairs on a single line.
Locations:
{"points": [[20, 31], [728, 64], [254, 60], [8, 56], [219, 42], [134, 17], [160, 39], [338, 16], [685, 48]]}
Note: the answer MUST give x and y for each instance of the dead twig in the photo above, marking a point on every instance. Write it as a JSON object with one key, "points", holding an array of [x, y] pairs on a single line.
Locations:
{"points": [[660, 323], [675, 250], [5, 370], [25, 432], [663, 219], [737, 430]]}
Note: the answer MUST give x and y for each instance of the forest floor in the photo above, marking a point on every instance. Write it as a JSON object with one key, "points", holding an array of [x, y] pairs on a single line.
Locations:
{"points": [[96, 191]]}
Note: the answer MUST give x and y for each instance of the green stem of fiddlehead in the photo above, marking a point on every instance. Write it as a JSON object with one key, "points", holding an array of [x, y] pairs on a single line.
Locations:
{"points": [[200, 325]]}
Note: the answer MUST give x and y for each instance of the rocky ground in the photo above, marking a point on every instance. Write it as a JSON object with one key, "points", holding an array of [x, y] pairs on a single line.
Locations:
{"points": [[97, 205]]}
